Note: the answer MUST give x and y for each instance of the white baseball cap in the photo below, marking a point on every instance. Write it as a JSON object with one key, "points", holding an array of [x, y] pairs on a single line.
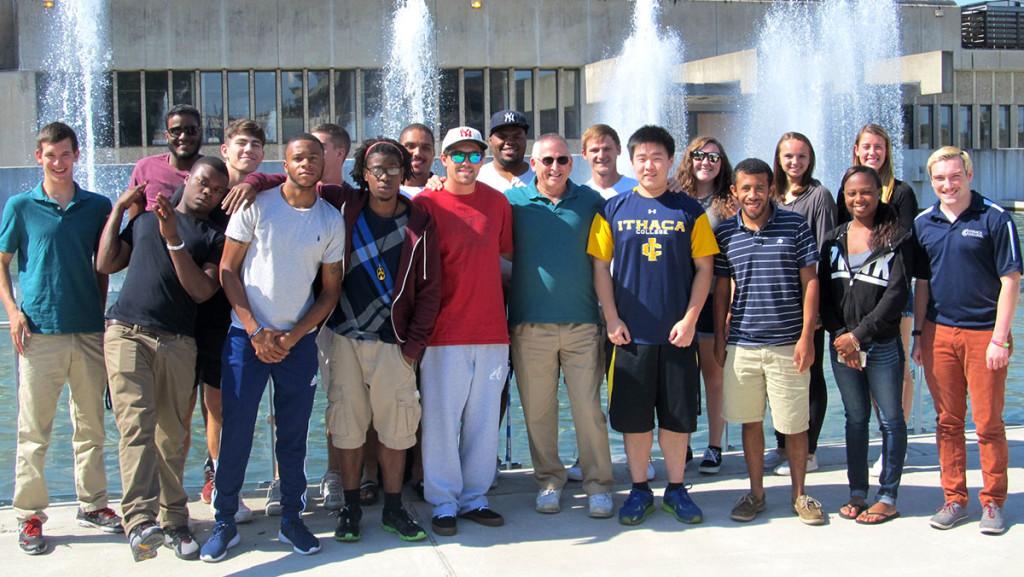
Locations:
{"points": [[462, 134]]}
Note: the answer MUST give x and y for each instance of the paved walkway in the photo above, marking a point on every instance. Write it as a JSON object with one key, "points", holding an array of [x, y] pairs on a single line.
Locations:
{"points": [[571, 544]]}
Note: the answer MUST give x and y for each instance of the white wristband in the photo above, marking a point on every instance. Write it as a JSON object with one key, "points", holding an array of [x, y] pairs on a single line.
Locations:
{"points": [[178, 246]]}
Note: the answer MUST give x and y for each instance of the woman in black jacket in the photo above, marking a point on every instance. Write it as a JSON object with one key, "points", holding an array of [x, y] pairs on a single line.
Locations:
{"points": [[864, 286]]}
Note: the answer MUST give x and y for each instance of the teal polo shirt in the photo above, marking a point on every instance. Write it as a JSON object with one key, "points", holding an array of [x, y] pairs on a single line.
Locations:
{"points": [[552, 276], [55, 247]]}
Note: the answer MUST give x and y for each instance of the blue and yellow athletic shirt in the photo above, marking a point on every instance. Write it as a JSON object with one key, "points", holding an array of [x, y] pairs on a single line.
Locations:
{"points": [[653, 242]]}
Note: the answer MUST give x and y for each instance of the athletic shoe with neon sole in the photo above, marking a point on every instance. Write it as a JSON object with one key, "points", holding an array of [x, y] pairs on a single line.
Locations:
{"points": [[682, 507], [638, 506]]}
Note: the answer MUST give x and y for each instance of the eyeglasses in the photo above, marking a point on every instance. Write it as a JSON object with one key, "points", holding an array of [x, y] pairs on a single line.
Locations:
{"points": [[460, 157], [561, 160], [177, 131], [712, 157], [378, 172]]}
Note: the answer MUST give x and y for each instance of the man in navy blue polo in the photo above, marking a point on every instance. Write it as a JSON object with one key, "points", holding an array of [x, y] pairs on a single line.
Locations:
{"points": [[967, 291]]}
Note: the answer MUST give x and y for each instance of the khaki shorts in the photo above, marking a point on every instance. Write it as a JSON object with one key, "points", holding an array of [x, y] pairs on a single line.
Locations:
{"points": [[754, 375], [369, 381]]}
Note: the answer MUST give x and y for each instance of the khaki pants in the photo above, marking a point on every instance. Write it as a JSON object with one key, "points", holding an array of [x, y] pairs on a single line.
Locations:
{"points": [[49, 362], [151, 380], [539, 351]]}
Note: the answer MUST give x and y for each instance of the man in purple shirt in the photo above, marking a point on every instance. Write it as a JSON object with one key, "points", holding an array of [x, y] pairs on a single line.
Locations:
{"points": [[164, 173]]}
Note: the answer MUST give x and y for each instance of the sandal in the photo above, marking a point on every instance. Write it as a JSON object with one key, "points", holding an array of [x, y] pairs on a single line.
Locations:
{"points": [[853, 509], [869, 517], [369, 493]]}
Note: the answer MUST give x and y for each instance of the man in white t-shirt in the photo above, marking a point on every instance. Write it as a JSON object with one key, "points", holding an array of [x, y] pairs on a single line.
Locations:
{"points": [[274, 249], [507, 142], [601, 148]]}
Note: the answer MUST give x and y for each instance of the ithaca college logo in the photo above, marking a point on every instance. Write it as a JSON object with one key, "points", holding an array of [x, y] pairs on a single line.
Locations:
{"points": [[510, 117], [652, 250], [466, 133], [972, 233]]}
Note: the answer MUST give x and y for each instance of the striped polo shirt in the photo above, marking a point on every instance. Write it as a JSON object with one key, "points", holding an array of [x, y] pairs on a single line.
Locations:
{"points": [[767, 306]]}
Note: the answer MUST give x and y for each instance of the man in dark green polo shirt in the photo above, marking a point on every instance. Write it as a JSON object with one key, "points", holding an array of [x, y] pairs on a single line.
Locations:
{"points": [[554, 318], [58, 332]]}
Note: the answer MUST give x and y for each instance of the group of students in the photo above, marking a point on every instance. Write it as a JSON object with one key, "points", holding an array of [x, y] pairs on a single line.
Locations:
{"points": [[413, 295]]}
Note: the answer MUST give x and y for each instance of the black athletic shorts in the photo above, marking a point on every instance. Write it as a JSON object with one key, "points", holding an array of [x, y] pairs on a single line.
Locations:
{"points": [[706, 320], [645, 380], [213, 319]]}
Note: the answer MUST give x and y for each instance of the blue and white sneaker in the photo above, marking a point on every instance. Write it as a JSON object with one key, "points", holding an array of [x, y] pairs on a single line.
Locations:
{"points": [[638, 506], [224, 537], [295, 533], [682, 507]]}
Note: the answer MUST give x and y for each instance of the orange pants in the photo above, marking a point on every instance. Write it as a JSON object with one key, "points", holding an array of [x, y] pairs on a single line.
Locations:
{"points": [[954, 366]]}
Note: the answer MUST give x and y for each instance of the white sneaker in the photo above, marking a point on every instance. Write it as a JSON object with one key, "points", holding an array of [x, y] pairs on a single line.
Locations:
{"points": [[242, 515], [575, 473], [650, 470], [548, 500], [812, 465], [773, 458], [600, 505], [331, 491], [876, 469]]}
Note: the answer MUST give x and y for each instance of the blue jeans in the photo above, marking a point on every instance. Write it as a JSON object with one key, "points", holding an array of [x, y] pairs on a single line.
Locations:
{"points": [[882, 380]]}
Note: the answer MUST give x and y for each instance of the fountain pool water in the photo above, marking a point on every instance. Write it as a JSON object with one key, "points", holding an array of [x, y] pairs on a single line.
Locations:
{"points": [[410, 79]]}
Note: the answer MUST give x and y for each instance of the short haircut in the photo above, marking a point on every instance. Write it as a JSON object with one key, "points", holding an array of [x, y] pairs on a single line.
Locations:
{"points": [[55, 132], [183, 110], [307, 137], [379, 145], [212, 161], [600, 131], [547, 137], [651, 134], [249, 128], [950, 152], [417, 126], [338, 135], [752, 166]]}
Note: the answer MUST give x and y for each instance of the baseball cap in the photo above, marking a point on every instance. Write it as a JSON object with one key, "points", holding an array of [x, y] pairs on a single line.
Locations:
{"points": [[509, 118], [462, 134]]}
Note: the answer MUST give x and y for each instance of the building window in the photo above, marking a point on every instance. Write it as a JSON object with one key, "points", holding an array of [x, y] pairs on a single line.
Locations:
{"points": [[319, 97], [372, 101], [945, 125], [925, 125], [448, 95], [985, 122], [499, 93], [473, 94], [292, 118], [238, 95], [570, 94], [1020, 127], [1004, 126], [264, 88], [908, 126], [212, 92], [157, 105], [129, 109], [547, 100], [524, 97], [183, 87], [966, 139], [345, 100]]}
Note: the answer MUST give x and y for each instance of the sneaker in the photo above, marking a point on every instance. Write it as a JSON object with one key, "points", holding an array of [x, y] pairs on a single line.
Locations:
{"points": [[548, 501], [444, 525], [181, 541], [224, 537], [145, 540], [600, 505], [347, 530], [638, 506], [773, 458], [747, 508], [992, 522], [876, 469], [103, 519], [574, 473], [485, 516], [682, 507], [295, 533], [206, 494], [30, 536], [400, 523], [712, 461], [331, 491], [809, 510], [650, 470], [950, 515], [273, 506], [812, 465]]}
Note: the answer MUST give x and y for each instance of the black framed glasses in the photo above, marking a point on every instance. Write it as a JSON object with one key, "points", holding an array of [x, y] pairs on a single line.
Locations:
{"points": [[458, 157], [561, 160], [378, 172], [712, 157], [177, 131]]}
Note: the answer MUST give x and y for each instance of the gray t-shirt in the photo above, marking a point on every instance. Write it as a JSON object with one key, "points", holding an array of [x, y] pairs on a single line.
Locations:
{"points": [[287, 246], [818, 207]]}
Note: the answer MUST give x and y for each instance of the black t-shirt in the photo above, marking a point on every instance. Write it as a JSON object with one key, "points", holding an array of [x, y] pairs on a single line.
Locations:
{"points": [[151, 295]]}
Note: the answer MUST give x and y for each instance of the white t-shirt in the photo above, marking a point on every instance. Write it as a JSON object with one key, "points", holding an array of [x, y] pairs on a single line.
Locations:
{"points": [[625, 184], [410, 191], [489, 176], [286, 247]]}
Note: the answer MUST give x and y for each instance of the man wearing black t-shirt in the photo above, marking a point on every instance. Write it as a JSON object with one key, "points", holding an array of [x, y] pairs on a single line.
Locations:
{"points": [[150, 350]]}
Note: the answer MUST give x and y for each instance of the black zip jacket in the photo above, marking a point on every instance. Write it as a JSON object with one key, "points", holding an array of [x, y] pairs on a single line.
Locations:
{"points": [[870, 302]]}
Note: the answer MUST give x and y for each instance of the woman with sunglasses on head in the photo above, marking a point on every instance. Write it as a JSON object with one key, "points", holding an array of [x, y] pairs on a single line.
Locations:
{"points": [[705, 175], [797, 190], [864, 282], [873, 148]]}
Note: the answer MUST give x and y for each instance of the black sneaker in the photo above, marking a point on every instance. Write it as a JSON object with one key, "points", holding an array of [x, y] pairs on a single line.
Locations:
{"points": [[348, 524], [485, 516], [30, 536], [712, 462], [145, 540], [181, 541], [400, 523], [444, 525], [689, 455], [103, 519]]}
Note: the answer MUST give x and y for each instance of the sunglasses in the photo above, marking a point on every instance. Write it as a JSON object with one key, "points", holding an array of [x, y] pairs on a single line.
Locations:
{"points": [[177, 131], [460, 157], [378, 172], [712, 157], [561, 160]]}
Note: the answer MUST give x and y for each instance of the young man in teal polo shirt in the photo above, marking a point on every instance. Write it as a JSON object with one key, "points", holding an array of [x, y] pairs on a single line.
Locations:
{"points": [[57, 331], [554, 319]]}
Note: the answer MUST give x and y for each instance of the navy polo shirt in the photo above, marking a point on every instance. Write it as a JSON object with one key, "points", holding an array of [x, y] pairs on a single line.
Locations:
{"points": [[59, 293], [965, 259], [768, 304]]}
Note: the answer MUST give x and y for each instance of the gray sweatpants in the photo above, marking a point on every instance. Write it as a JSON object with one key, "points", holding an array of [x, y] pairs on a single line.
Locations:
{"points": [[460, 387]]}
